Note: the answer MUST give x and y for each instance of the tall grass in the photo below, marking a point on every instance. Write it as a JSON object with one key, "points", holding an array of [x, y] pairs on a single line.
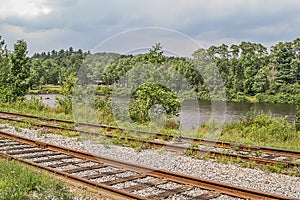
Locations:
{"points": [[263, 130], [21, 183], [34, 106]]}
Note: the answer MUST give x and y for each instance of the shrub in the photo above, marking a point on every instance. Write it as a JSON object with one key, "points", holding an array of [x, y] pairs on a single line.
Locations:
{"points": [[297, 120], [149, 95]]}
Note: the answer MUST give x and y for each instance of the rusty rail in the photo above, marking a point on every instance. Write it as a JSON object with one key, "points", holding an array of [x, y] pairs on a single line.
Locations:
{"points": [[187, 182], [210, 153]]}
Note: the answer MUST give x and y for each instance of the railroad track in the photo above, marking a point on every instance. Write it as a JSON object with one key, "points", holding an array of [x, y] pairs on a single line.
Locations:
{"points": [[116, 179], [218, 149]]}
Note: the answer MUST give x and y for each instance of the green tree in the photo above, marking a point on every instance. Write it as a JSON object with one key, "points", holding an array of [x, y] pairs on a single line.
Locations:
{"points": [[282, 56], [17, 73], [261, 83], [149, 95], [4, 69], [155, 54]]}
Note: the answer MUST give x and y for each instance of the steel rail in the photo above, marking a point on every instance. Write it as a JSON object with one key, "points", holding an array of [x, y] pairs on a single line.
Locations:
{"points": [[176, 177], [267, 150]]}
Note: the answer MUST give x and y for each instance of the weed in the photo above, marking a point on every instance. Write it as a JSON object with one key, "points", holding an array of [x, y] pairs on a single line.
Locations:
{"points": [[66, 133], [19, 182], [18, 129], [138, 146], [165, 137], [194, 145], [3, 127], [190, 152], [118, 141], [262, 130], [277, 168], [258, 153], [40, 134]]}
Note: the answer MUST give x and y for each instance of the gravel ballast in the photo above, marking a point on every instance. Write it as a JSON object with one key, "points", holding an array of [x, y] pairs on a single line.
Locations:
{"points": [[208, 169]]}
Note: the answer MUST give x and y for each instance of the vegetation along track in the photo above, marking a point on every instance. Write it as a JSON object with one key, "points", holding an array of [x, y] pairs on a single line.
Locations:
{"points": [[118, 179], [217, 149]]}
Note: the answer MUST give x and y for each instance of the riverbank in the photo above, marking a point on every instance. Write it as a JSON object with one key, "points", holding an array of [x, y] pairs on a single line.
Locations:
{"points": [[279, 98], [46, 89], [255, 128]]}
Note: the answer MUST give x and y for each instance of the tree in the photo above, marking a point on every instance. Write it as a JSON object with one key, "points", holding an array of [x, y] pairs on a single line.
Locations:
{"points": [[155, 54], [149, 95], [4, 69], [282, 55], [17, 73], [260, 84]]}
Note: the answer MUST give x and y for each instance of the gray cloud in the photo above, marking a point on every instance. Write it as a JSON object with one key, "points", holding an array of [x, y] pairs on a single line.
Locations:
{"points": [[85, 23]]}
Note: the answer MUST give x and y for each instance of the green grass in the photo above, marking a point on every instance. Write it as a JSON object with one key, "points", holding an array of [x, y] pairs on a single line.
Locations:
{"points": [[263, 130], [34, 107], [47, 89], [259, 129], [256, 129], [20, 182]]}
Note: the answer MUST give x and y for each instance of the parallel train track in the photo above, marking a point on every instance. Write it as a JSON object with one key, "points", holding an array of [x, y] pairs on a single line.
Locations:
{"points": [[116, 179], [267, 155]]}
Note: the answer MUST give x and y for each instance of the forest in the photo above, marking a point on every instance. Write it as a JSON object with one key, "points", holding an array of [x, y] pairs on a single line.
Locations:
{"points": [[250, 72]]}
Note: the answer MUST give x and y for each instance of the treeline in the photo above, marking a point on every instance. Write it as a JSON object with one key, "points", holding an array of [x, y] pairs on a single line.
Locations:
{"points": [[55, 66], [249, 71]]}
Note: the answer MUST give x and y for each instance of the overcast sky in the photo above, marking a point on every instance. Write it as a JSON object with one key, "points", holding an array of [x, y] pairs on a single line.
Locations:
{"points": [[57, 24]]}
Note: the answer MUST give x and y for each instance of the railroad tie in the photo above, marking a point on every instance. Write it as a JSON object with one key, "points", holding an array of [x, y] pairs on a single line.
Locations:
{"points": [[40, 156], [100, 175], [124, 179], [170, 192], [26, 152], [76, 170], [145, 185]]}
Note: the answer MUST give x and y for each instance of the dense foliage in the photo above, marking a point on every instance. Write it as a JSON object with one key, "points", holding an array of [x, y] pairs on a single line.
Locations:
{"points": [[55, 67], [249, 71], [14, 71], [150, 96]]}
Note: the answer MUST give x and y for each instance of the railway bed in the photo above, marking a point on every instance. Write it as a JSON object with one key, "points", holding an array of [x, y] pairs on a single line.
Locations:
{"points": [[217, 149], [118, 179]]}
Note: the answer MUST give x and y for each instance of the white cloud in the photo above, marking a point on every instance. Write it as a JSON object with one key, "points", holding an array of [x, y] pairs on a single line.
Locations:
{"points": [[42, 40], [23, 8]]}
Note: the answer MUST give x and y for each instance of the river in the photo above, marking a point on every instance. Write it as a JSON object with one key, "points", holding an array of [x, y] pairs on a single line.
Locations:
{"points": [[192, 114]]}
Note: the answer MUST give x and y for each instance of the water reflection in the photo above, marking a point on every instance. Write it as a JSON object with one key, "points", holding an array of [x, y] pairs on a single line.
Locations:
{"points": [[193, 113]]}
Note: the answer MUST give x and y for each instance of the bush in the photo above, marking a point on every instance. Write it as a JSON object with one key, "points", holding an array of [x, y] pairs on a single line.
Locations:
{"points": [[36, 104], [172, 124], [65, 101], [297, 120], [104, 90], [149, 95], [262, 129], [104, 110], [64, 104]]}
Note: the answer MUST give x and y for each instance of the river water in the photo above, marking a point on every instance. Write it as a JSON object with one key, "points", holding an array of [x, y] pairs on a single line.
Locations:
{"points": [[194, 113]]}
